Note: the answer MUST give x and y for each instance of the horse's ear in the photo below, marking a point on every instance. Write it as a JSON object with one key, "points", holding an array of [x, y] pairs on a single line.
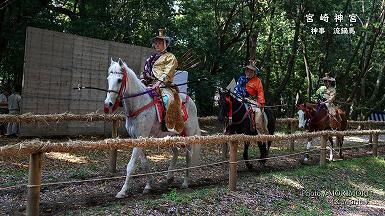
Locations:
{"points": [[111, 60], [120, 62]]}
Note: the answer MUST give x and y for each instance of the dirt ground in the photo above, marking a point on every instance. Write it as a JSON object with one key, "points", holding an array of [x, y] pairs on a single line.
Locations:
{"points": [[64, 198]]}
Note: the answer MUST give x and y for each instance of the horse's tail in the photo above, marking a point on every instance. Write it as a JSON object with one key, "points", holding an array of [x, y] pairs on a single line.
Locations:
{"points": [[193, 129], [196, 153], [344, 118], [270, 121]]}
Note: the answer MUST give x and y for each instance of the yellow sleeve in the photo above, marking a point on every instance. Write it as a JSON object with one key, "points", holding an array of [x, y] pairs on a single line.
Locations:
{"points": [[170, 64]]}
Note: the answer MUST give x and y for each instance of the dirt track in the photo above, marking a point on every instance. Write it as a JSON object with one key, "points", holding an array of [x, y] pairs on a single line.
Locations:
{"points": [[69, 167]]}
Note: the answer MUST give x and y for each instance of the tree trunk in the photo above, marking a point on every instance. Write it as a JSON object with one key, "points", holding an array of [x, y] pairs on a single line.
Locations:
{"points": [[307, 69], [266, 64], [253, 46], [291, 58], [378, 84]]}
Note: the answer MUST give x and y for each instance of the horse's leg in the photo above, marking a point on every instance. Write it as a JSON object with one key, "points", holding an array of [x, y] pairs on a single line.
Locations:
{"points": [[246, 155], [263, 151], [331, 148], [170, 175], [149, 178], [188, 163], [130, 168], [308, 147], [340, 140]]}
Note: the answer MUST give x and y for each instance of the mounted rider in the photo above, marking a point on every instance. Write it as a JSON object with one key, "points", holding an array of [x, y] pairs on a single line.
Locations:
{"points": [[250, 86], [327, 93], [159, 69]]}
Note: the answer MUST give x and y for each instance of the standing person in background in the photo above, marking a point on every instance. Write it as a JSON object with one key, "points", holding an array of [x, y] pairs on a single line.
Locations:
{"points": [[3, 110], [14, 103]]}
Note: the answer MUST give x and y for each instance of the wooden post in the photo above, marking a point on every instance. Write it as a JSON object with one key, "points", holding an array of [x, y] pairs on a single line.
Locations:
{"points": [[370, 135], [375, 145], [114, 152], [291, 130], [322, 161], [225, 151], [233, 166], [34, 181]]}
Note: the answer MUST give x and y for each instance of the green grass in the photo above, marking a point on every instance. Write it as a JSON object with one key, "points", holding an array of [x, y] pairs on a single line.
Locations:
{"points": [[13, 176], [180, 197], [292, 192], [78, 173]]}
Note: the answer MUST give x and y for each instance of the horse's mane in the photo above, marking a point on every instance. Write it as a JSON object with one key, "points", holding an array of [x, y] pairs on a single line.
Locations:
{"points": [[130, 74]]}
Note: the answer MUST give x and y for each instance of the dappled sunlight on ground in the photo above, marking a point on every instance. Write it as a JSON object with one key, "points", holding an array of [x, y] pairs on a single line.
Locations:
{"points": [[68, 157], [159, 157], [14, 164], [377, 206], [287, 181], [356, 139], [368, 188]]}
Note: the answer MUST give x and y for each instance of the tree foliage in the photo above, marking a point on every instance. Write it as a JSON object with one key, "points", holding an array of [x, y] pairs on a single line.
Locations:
{"points": [[225, 34]]}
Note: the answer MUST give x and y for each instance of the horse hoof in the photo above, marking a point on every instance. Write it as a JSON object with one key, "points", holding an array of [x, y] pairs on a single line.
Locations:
{"points": [[146, 190], [170, 180], [120, 195], [184, 186]]}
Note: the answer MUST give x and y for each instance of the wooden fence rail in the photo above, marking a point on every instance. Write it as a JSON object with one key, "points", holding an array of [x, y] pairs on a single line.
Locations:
{"points": [[36, 148]]}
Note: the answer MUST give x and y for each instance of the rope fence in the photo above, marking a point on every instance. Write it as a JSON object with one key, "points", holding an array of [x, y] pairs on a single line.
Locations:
{"points": [[93, 117], [36, 148]]}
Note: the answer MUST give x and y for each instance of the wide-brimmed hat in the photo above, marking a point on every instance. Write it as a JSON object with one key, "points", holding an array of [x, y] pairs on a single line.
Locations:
{"points": [[251, 65], [162, 35], [328, 78]]}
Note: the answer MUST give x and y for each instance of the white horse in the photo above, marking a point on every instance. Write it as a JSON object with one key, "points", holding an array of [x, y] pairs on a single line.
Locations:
{"points": [[123, 83]]}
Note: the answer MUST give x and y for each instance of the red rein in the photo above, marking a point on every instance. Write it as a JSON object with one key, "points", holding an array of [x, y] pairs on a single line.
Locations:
{"points": [[230, 114], [120, 93]]}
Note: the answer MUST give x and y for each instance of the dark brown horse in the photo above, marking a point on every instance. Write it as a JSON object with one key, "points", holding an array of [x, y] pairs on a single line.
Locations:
{"points": [[240, 123], [315, 117]]}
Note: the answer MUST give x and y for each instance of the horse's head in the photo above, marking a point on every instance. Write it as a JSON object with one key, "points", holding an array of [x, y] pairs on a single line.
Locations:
{"points": [[222, 103], [117, 78]]}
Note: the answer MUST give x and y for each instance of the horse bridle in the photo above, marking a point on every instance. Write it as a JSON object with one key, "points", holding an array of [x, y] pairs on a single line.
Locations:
{"points": [[118, 100]]}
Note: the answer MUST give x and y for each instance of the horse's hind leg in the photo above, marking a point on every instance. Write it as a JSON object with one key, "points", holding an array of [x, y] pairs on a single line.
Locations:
{"points": [[340, 140], [308, 147], [170, 175], [130, 169], [246, 155], [146, 167], [264, 153], [188, 163]]}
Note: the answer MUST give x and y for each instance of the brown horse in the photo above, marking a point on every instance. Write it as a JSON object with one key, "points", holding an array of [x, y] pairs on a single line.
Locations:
{"points": [[315, 117]]}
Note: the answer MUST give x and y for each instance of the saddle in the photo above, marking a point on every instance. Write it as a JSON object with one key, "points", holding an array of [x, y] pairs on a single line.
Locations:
{"points": [[335, 118], [257, 121]]}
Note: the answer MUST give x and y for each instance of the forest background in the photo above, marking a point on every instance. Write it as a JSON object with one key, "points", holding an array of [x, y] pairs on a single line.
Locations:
{"points": [[294, 42]]}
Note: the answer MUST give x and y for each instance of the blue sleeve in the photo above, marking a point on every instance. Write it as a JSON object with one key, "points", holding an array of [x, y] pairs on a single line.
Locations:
{"points": [[240, 88]]}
